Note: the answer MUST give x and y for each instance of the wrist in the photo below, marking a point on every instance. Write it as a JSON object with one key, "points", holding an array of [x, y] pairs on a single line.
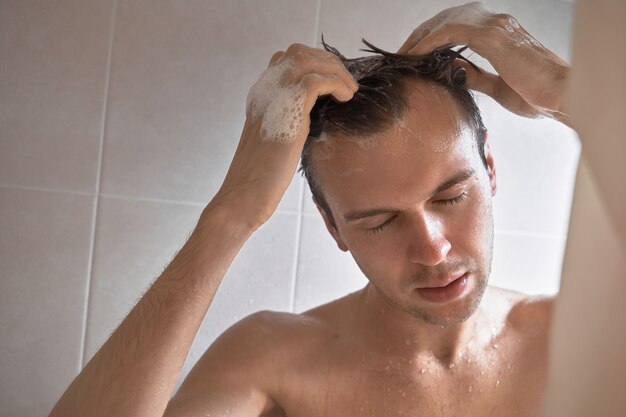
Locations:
{"points": [[232, 215]]}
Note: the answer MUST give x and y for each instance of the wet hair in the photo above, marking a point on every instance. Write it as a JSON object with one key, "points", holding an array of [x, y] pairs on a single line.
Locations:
{"points": [[382, 100]]}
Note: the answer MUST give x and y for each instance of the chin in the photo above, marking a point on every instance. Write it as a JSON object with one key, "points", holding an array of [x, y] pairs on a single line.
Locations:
{"points": [[440, 319]]}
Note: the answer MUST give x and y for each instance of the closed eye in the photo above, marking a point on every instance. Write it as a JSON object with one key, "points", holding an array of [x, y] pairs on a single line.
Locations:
{"points": [[380, 227], [456, 200], [449, 201]]}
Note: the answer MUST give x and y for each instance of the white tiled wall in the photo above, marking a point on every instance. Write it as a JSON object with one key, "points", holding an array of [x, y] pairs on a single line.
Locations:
{"points": [[117, 123]]}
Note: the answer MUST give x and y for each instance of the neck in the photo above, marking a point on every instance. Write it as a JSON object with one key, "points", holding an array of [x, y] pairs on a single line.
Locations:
{"points": [[386, 327]]}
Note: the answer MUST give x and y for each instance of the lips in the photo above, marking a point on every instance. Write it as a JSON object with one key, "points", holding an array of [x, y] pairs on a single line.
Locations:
{"points": [[449, 290]]}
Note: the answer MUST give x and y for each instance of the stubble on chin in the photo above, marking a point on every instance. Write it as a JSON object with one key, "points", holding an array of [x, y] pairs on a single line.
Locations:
{"points": [[470, 304]]}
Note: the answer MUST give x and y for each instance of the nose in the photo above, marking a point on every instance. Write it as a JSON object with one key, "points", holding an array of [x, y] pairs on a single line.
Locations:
{"points": [[428, 244]]}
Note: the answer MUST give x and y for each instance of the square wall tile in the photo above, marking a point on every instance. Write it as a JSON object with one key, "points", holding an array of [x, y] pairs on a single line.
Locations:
{"points": [[180, 76], [136, 240], [527, 263], [52, 90], [325, 273], [536, 161], [45, 241]]}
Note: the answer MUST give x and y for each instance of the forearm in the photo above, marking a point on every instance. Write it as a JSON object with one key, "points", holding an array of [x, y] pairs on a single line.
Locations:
{"points": [[134, 372]]}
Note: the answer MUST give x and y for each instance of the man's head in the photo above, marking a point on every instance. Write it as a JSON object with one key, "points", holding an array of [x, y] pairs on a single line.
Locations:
{"points": [[403, 179]]}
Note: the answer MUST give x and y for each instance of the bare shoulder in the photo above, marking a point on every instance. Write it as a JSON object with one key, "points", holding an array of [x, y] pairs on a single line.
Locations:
{"points": [[266, 335], [245, 364], [525, 312], [273, 338]]}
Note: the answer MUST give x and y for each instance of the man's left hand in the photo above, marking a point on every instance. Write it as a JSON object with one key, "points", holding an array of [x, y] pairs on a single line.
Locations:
{"points": [[530, 79]]}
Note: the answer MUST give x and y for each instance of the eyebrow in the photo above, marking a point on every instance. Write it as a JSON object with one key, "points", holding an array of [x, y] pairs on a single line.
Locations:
{"points": [[460, 177], [449, 183]]}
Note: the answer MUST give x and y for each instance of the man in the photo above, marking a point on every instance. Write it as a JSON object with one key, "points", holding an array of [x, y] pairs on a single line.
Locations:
{"points": [[409, 197]]}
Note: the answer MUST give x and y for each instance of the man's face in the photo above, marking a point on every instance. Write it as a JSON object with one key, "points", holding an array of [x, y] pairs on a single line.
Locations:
{"points": [[413, 205]]}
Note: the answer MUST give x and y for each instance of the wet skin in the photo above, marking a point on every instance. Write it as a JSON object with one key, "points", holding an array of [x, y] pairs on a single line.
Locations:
{"points": [[387, 349]]}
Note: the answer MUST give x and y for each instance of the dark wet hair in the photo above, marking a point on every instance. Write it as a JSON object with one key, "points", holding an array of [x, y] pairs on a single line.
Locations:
{"points": [[382, 99]]}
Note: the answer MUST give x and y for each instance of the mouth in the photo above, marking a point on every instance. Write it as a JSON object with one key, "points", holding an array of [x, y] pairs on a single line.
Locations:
{"points": [[451, 289]]}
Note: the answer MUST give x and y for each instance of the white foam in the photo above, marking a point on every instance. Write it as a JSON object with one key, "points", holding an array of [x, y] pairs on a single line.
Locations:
{"points": [[281, 105]]}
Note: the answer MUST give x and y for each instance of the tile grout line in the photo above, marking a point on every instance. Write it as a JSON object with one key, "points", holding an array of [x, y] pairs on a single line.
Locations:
{"points": [[125, 197], [296, 262], [152, 199], [105, 109], [47, 190]]}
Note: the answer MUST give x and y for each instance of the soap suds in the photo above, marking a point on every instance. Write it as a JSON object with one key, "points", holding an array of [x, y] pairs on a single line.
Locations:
{"points": [[281, 106]]}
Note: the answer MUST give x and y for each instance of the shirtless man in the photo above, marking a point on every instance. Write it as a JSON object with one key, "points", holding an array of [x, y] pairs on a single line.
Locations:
{"points": [[404, 344]]}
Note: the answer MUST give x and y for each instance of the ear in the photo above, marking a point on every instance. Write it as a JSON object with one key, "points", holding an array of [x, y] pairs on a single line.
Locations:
{"points": [[491, 167], [331, 229]]}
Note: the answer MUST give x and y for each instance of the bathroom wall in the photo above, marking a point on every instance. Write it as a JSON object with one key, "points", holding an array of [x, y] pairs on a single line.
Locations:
{"points": [[118, 120]]}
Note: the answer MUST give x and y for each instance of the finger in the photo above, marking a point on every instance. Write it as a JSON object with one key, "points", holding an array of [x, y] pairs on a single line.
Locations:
{"points": [[443, 38], [318, 85], [324, 65], [484, 81], [413, 39], [342, 72], [425, 28], [317, 60], [275, 57], [495, 87]]}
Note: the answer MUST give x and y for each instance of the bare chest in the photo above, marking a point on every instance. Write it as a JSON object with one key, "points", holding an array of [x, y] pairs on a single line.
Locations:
{"points": [[503, 386]]}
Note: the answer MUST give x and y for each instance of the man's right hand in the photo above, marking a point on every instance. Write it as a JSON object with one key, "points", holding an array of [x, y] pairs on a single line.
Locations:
{"points": [[262, 168]]}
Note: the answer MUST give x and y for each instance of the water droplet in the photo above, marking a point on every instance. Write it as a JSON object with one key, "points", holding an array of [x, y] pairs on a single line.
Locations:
{"points": [[387, 368], [498, 383], [482, 372], [494, 345], [451, 366], [513, 22], [469, 389], [422, 371]]}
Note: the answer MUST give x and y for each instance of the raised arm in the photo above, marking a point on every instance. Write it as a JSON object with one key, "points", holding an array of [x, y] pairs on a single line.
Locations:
{"points": [[134, 372]]}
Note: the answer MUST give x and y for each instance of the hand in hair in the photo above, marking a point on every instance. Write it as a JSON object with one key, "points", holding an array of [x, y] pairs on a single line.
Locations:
{"points": [[530, 79], [270, 145]]}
